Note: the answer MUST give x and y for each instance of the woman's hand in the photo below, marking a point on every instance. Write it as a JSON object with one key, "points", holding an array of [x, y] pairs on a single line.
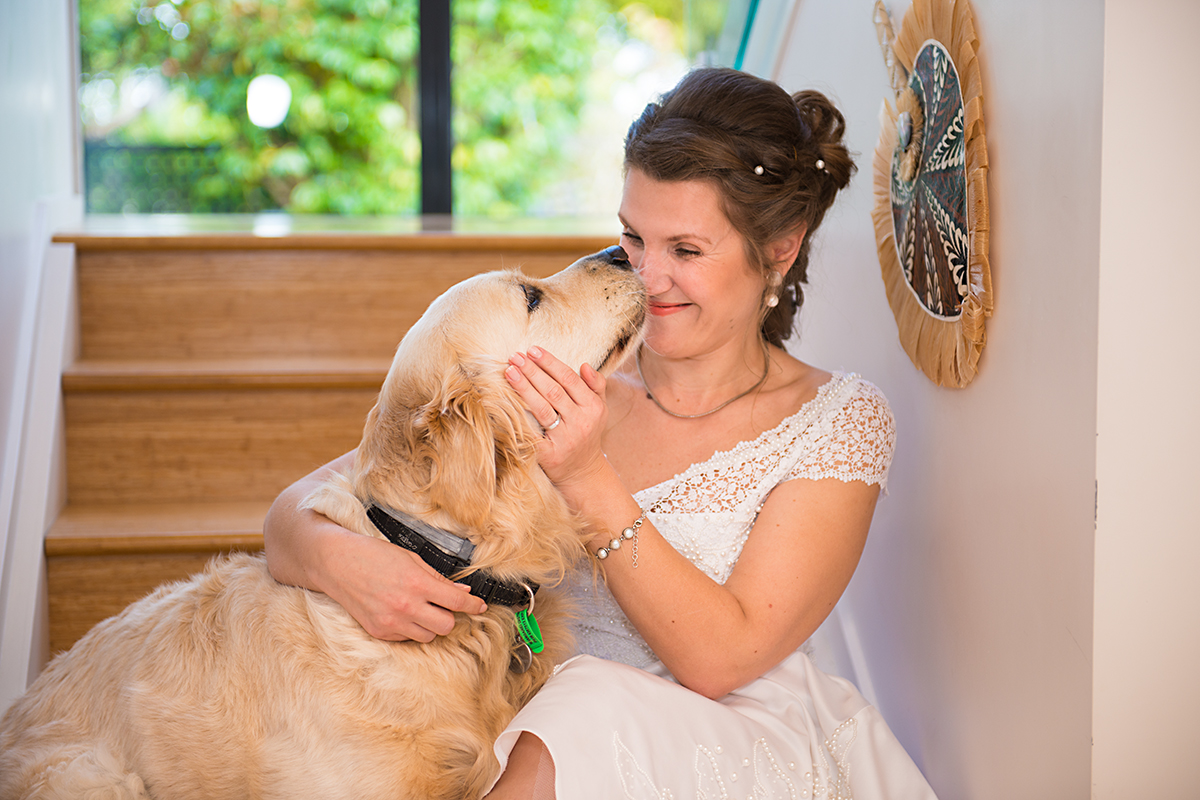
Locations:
{"points": [[390, 591], [572, 410]]}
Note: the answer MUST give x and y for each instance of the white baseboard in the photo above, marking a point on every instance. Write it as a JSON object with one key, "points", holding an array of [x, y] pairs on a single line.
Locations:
{"points": [[34, 458]]}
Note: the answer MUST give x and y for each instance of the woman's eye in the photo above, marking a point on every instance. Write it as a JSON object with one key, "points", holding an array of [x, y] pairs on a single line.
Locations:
{"points": [[632, 237], [684, 252], [533, 297]]}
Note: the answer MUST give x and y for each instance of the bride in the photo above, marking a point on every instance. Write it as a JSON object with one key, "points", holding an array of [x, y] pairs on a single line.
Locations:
{"points": [[728, 486]]}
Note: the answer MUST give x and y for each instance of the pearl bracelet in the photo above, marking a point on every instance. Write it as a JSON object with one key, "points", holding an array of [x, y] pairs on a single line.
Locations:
{"points": [[628, 533]]}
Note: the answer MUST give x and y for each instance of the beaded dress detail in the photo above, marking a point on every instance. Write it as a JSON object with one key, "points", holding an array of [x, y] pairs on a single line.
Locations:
{"points": [[706, 512]]}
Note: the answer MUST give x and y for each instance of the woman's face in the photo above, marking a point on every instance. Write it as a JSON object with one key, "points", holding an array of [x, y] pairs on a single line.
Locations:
{"points": [[703, 292]]}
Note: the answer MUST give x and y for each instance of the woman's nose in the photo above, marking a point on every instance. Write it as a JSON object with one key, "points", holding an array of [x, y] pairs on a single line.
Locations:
{"points": [[650, 270]]}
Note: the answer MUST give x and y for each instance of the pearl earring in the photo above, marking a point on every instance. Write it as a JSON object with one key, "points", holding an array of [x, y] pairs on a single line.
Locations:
{"points": [[774, 280]]}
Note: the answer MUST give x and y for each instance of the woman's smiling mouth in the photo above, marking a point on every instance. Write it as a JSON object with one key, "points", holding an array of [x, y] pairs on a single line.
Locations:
{"points": [[666, 309]]}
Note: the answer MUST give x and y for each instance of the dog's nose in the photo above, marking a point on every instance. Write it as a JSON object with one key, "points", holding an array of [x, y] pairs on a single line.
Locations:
{"points": [[616, 256]]}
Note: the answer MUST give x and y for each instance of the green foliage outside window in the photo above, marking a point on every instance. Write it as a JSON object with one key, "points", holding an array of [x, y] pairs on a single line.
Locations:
{"points": [[174, 74]]}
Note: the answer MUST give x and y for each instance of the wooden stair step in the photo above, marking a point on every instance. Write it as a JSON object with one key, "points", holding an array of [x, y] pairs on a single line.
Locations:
{"points": [[123, 529], [199, 445], [239, 304], [172, 430], [101, 558], [129, 375], [164, 232]]}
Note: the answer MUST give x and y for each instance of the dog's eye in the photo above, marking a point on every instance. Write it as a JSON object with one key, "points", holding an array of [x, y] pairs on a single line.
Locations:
{"points": [[533, 297]]}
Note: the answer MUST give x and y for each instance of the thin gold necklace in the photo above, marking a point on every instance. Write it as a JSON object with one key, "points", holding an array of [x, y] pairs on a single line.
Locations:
{"points": [[766, 369]]}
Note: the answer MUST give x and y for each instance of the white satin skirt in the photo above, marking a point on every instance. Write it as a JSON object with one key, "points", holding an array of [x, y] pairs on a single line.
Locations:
{"points": [[615, 731]]}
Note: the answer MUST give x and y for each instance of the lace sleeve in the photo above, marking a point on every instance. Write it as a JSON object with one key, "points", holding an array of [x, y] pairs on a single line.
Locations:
{"points": [[858, 444]]}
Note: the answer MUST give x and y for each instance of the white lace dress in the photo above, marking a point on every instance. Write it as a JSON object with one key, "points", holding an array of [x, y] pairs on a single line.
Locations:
{"points": [[616, 723]]}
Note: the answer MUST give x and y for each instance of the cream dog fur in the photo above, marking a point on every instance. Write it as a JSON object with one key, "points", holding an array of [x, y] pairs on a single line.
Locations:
{"points": [[231, 685]]}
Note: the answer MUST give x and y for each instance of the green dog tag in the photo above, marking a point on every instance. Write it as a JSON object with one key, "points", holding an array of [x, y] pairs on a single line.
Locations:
{"points": [[531, 634]]}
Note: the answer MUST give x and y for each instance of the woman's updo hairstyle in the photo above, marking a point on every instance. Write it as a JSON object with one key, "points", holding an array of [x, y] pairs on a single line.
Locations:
{"points": [[719, 125]]}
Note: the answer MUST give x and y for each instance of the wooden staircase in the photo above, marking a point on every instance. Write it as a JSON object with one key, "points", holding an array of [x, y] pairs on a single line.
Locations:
{"points": [[213, 370]]}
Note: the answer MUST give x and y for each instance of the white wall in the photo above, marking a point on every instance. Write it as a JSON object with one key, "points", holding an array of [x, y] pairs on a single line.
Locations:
{"points": [[974, 597], [1146, 694], [994, 557], [38, 190]]}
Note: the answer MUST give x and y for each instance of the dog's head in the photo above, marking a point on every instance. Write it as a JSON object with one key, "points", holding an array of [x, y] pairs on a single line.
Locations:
{"points": [[449, 439]]}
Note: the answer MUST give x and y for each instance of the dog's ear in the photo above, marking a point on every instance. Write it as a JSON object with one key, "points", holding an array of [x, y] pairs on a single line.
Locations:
{"points": [[472, 437], [464, 447]]}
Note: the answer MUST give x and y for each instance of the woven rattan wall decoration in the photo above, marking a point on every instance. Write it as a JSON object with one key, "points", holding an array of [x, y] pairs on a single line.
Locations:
{"points": [[931, 207]]}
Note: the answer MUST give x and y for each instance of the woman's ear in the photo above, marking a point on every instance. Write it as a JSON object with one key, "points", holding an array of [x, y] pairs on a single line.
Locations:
{"points": [[783, 251]]}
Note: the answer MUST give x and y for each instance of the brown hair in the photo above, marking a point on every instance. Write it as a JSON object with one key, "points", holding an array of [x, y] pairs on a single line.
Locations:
{"points": [[718, 125]]}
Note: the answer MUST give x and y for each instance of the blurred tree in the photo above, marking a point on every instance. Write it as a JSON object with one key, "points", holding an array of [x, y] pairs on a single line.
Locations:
{"points": [[176, 72]]}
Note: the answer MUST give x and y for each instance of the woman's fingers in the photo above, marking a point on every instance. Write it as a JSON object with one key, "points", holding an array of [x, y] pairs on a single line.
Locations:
{"points": [[567, 381], [520, 374], [570, 408], [594, 380], [551, 389], [546, 378], [429, 601], [398, 596]]}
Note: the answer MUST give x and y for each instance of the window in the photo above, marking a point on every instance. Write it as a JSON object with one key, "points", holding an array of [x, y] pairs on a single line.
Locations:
{"points": [[311, 106]]}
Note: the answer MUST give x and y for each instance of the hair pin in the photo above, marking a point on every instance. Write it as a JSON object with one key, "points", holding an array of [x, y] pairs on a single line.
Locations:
{"points": [[821, 165], [759, 170]]}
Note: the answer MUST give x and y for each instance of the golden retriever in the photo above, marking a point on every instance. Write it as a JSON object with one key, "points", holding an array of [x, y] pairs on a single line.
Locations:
{"points": [[232, 685]]}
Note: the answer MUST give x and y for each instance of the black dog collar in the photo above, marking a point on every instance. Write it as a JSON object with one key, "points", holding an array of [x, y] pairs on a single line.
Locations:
{"points": [[406, 535]]}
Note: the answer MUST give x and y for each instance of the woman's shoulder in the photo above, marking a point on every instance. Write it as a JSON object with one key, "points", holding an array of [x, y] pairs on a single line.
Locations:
{"points": [[866, 409], [831, 390], [850, 431], [863, 396]]}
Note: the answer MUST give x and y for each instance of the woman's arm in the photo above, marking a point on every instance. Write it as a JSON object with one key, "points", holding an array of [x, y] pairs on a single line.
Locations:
{"points": [[713, 638], [392, 593], [795, 565]]}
